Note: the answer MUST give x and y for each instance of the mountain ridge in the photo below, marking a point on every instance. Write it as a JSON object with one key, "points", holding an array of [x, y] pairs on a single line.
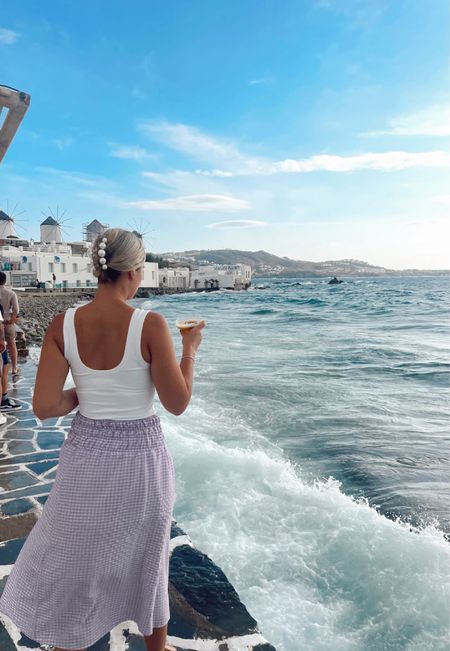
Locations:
{"points": [[269, 264]]}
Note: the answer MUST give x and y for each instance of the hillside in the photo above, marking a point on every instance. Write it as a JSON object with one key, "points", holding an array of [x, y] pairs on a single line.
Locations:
{"points": [[267, 264]]}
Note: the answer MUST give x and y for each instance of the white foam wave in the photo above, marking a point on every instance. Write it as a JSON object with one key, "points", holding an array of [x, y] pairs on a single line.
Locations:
{"points": [[317, 569]]}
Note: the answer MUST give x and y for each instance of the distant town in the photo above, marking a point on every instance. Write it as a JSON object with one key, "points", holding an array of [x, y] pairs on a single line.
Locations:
{"points": [[54, 264]]}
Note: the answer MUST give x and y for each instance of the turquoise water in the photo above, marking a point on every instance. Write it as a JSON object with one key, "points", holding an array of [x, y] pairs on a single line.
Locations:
{"points": [[312, 462]]}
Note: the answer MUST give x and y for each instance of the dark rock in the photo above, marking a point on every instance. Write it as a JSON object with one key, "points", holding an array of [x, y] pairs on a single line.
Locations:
{"points": [[206, 588], [176, 531], [6, 643]]}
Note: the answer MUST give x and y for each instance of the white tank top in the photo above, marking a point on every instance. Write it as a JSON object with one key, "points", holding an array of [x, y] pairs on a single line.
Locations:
{"points": [[124, 392]]}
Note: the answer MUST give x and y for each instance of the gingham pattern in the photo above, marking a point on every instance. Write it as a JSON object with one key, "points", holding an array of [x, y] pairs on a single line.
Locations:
{"points": [[99, 553]]}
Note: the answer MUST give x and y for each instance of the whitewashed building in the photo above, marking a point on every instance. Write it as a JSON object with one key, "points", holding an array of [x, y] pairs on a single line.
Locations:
{"points": [[174, 278], [236, 276], [26, 261]]}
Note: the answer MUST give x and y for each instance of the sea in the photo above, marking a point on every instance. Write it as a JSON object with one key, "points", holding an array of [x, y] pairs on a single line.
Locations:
{"points": [[312, 462]]}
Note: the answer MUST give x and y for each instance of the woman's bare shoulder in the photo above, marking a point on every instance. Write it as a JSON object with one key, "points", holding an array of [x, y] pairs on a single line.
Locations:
{"points": [[154, 320]]}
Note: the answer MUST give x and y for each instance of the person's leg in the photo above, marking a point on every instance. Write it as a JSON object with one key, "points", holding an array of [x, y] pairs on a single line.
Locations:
{"points": [[3, 419], [5, 373], [157, 640], [10, 333], [6, 404]]}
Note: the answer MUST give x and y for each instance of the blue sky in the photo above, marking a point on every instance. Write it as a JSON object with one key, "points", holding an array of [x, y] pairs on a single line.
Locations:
{"points": [[315, 129]]}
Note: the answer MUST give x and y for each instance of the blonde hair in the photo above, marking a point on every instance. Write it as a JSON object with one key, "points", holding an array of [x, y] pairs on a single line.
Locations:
{"points": [[124, 250]]}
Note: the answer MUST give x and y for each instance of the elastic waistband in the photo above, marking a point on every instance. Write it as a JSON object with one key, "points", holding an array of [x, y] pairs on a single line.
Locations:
{"points": [[115, 435]]}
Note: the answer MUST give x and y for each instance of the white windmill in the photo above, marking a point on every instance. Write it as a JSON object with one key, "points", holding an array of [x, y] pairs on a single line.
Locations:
{"points": [[9, 221], [52, 227]]}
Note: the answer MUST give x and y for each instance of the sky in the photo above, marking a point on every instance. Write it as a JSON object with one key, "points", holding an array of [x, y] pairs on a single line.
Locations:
{"points": [[313, 129]]}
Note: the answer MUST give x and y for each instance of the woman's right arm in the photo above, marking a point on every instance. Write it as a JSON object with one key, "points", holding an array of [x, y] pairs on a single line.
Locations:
{"points": [[173, 381]]}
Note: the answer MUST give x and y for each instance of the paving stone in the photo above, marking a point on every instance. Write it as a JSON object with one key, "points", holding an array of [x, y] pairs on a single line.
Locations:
{"points": [[39, 489], [20, 447], [17, 526], [25, 422], [37, 456], [42, 466], [50, 440], [9, 550], [14, 507], [18, 434], [19, 479]]}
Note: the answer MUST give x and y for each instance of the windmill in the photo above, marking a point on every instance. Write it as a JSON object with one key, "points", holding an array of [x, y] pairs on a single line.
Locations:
{"points": [[9, 221], [52, 226], [138, 229]]}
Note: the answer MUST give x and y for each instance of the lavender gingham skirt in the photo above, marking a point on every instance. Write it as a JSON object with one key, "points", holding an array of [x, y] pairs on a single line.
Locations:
{"points": [[98, 555]]}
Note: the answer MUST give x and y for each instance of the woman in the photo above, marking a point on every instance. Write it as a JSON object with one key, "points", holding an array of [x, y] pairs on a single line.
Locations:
{"points": [[99, 553]]}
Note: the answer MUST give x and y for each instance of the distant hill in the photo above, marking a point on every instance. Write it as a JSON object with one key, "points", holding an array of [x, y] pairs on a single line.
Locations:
{"points": [[267, 264]]}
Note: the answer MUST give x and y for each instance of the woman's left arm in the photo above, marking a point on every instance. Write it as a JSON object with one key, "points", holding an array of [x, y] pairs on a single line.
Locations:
{"points": [[49, 397]]}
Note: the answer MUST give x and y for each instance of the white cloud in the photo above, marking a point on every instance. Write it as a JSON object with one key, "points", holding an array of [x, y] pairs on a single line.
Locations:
{"points": [[131, 152], [193, 203], [226, 160], [196, 144], [220, 173], [263, 81], [8, 36], [237, 223], [384, 161], [431, 121]]}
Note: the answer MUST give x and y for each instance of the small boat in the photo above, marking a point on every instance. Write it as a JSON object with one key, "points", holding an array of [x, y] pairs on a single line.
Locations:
{"points": [[335, 281]]}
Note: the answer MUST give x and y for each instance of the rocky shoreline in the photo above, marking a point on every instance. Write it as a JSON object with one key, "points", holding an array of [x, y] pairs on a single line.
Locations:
{"points": [[36, 311]]}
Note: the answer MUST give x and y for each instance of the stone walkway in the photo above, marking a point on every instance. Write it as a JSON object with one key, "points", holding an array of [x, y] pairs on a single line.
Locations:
{"points": [[206, 612]]}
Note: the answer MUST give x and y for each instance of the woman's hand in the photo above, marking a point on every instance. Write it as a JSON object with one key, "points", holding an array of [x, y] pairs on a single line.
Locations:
{"points": [[2, 346], [192, 338]]}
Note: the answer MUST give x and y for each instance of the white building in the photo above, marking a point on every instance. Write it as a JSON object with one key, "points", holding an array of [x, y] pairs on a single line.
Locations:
{"points": [[26, 262], [236, 276], [174, 278]]}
